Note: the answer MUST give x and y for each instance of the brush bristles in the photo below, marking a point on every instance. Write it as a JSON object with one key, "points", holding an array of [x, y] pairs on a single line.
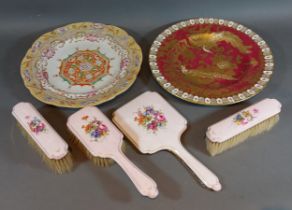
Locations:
{"points": [[59, 166], [103, 162], [215, 148]]}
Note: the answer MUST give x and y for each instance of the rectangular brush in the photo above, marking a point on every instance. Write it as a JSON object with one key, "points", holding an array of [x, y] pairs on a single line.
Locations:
{"points": [[43, 138], [236, 128]]}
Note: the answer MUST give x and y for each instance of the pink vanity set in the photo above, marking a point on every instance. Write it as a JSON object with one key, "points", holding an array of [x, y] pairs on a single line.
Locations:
{"points": [[206, 61]]}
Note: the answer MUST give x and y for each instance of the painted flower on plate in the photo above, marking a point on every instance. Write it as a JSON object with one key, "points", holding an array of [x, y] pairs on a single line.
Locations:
{"points": [[48, 53], [91, 38]]}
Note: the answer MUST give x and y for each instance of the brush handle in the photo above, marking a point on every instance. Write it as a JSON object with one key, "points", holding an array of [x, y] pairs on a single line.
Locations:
{"points": [[144, 184], [208, 178]]}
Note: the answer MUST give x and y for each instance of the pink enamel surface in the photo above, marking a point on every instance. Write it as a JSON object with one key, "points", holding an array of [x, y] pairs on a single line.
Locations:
{"points": [[229, 127], [164, 137], [46, 137], [109, 146], [102, 146], [146, 140]]}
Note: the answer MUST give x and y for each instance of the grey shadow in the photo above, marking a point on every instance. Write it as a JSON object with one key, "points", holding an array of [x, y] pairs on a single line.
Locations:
{"points": [[17, 149], [115, 189], [166, 185]]}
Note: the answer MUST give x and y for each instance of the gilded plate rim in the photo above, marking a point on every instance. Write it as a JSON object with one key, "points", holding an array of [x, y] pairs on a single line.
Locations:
{"points": [[40, 94], [233, 99]]}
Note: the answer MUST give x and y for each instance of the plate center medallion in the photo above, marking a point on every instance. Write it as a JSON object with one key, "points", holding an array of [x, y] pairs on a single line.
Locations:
{"points": [[84, 67]]}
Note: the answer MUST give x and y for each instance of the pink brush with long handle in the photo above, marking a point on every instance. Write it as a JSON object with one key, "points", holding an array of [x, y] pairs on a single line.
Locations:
{"points": [[152, 124], [101, 140]]}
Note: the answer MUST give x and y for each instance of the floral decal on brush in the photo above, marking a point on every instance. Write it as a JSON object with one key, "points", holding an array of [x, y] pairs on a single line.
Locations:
{"points": [[244, 117], [36, 125], [95, 128], [150, 119]]}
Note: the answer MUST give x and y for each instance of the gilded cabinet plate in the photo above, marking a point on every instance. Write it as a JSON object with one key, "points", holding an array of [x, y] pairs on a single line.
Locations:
{"points": [[211, 61], [81, 64]]}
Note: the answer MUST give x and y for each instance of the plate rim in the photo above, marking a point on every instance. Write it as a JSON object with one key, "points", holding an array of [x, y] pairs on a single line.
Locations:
{"points": [[233, 99], [40, 95]]}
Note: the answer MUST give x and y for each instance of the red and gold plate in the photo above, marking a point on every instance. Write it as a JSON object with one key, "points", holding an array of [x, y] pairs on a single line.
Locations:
{"points": [[211, 61]]}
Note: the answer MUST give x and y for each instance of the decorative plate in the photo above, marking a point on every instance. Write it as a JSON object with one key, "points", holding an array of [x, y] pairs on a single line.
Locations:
{"points": [[211, 61], [81, 64]]}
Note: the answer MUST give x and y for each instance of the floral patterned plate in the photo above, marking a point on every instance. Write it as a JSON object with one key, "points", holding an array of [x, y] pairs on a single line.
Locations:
{"points": [[211, 61], [81, 64]]}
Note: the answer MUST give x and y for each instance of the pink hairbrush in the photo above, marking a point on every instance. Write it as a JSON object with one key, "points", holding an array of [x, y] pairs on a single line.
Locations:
{"points": [[101, 140], [152, 124]]}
